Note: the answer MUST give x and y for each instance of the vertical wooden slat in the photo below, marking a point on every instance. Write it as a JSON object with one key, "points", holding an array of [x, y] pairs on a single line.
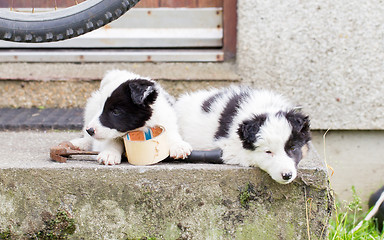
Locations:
{"points": [[148, 4], [4, 4], [230, 28], [142, 3], [209, 3], [66, 3], [37, 3], [24, 3], [178, 3]]}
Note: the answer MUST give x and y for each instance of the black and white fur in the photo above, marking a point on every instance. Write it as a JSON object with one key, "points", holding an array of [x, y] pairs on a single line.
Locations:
{"points": [[126, 101], [379, 216], [252, 127]]}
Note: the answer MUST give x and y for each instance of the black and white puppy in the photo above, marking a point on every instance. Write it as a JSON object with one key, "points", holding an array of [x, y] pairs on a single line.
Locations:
{"points": [[126, 101], [252, 128]]}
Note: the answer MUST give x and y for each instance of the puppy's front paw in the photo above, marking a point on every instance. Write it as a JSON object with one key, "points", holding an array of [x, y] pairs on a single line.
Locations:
{"points": [[109, 157], [180, 150]]}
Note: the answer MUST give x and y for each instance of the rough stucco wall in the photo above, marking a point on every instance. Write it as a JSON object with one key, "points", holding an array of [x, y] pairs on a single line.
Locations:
{"points": [[328, 56]]}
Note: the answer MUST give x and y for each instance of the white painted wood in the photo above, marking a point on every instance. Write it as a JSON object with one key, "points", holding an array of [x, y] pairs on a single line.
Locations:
{"points": [[111, 56], [165, 18], [134, 38]]}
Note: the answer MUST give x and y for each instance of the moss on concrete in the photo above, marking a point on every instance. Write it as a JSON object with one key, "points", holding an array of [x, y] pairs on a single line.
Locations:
{"points": [[245, 195], [160, 203], [6, 234], [58, 226]]}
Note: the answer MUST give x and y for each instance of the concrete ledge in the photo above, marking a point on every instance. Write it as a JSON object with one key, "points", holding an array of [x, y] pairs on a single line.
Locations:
{"points": [[81, 199], [95, 71], [74, 94], [69, 85]]}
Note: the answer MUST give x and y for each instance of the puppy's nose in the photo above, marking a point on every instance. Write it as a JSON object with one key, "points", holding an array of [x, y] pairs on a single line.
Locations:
{"points": [[90, 131], [286, 176]]}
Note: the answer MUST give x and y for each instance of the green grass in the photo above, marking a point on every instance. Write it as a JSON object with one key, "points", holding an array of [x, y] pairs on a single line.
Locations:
{"points": [[346, 217]]}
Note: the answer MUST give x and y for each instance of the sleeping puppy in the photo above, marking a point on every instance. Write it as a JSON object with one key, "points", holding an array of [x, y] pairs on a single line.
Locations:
{"points": [[251, 127], [126, 101]]}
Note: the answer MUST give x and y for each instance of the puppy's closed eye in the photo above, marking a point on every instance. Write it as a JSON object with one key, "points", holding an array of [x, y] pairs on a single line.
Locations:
{"points": [[116, 112]]}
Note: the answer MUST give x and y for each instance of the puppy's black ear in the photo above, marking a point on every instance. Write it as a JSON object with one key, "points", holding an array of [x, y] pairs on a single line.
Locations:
{"points": [[248, 129], [142, 91], [300, 124]]}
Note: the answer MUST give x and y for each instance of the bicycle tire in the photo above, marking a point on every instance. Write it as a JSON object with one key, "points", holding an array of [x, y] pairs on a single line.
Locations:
{"points": [[61, 24]]}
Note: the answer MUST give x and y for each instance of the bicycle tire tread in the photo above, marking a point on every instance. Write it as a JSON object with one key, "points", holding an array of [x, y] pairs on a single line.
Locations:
{"points": [[51, 31]]}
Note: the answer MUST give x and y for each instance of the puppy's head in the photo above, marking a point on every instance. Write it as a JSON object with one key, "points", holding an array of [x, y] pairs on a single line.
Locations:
{"points": [[275, 142], [127, 108]]}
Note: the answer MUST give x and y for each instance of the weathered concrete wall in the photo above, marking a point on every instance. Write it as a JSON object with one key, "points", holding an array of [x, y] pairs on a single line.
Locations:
{"points": [[326, 55], [82, 199]]}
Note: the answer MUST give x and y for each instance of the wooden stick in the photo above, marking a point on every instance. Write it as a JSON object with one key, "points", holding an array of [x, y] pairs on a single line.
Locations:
{"points": [[66, 149]]}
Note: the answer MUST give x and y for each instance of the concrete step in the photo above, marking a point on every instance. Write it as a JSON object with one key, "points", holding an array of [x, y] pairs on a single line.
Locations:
{"points": [[69, 85], [83, 200]]}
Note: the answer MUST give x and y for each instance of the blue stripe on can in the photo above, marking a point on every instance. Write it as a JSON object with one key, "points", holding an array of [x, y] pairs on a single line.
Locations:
{"points": [[148, 134]]}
